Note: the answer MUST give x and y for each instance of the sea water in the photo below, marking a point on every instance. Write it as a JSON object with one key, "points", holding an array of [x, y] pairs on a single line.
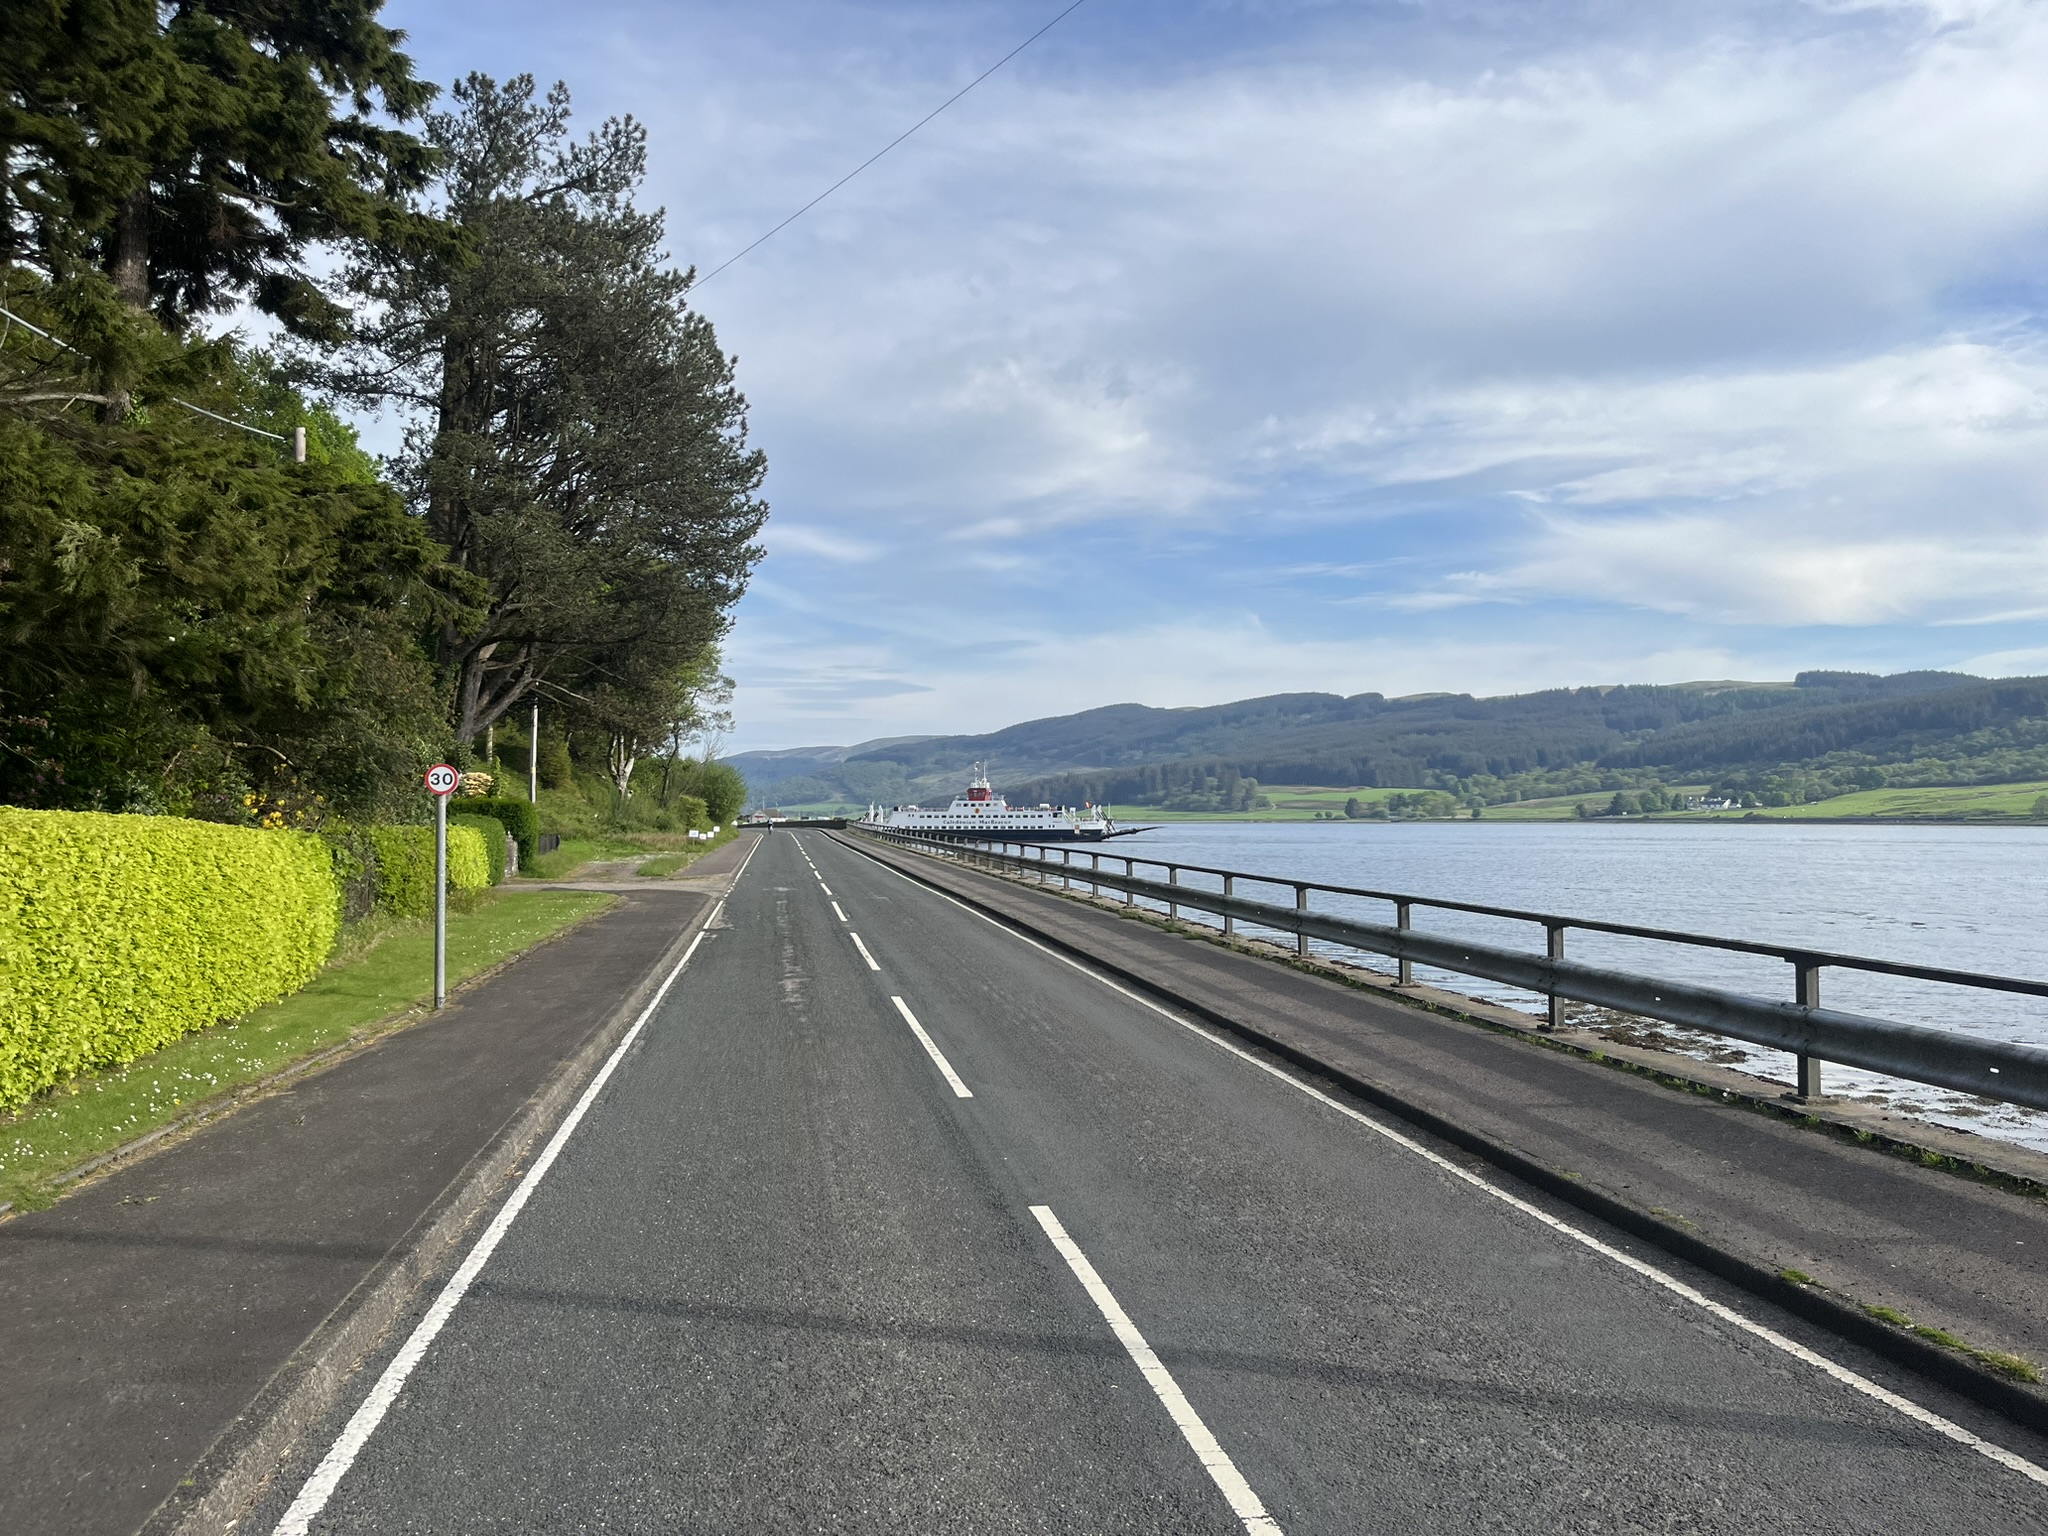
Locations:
{"points": [[1959, 897]]}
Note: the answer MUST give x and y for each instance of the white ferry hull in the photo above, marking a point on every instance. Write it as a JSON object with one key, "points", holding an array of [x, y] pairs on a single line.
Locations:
{"points": [[983, 815]]}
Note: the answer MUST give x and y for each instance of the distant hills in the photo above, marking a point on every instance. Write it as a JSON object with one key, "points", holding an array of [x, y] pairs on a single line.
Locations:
{"points": [[1823, 733]]}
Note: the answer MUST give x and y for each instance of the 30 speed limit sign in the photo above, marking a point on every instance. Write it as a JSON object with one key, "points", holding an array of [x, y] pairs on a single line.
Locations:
{"points": [[442, 779]]}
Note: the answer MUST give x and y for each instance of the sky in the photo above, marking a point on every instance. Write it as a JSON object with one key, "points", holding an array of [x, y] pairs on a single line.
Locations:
{"points": [[1229, 347]]}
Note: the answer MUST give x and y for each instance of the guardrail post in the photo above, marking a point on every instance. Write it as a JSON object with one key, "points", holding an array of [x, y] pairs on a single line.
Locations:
{"points": [[1130, 899], [1229, 922], [1172, 906], [1301, 905], [1807, 1076], [1067, 868], [1554, 947], [1404, 919], [1094, 868]]}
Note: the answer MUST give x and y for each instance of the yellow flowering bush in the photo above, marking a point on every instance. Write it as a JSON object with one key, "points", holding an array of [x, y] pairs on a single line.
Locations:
{"points": [[120, 933]]}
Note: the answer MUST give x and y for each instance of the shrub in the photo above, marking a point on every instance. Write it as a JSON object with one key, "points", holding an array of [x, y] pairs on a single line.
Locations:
{"points": [[405, 866], [120, 933], [718, 785], [469, 859], [405, 869], [556, 769], [355, 868], [492, 831], [521, 820]]}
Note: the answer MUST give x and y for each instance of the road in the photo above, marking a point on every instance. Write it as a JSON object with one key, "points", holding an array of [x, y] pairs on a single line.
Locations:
{"points": [[888, 1219]]}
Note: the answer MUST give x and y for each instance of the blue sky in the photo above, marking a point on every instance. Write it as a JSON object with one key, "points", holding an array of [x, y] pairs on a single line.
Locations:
{"points": [[1216, 349]]}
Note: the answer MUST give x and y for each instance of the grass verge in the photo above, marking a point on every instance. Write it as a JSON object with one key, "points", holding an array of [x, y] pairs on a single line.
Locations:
{"points": [[379, 972], [571, 856], [2017, 1367], [672, 851]]}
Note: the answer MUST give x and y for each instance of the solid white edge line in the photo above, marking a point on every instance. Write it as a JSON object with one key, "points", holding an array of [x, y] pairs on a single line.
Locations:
{"points": [[319, 1488], [960, 1089], [1855, 1380], [842, 915], [1237, 1493], [872, 964]]}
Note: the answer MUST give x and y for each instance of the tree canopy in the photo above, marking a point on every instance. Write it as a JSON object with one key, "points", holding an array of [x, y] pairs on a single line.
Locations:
{"points": [[192, 622], [195, 152], [582, 448]]}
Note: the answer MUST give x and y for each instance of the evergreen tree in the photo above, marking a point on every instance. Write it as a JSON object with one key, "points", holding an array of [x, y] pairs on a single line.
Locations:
{"points": [[182, 608], [582, 444], [195, 152]]}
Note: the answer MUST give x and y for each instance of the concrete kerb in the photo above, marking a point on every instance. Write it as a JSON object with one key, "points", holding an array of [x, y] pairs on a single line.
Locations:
{"points": [[232, 1474], [1841, 1316]]}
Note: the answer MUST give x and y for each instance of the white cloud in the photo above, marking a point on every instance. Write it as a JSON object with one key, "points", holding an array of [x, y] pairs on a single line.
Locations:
{"points": [[2031, 662], [1903, 486], [1199, 662], [1700, 339], [784, 537]]}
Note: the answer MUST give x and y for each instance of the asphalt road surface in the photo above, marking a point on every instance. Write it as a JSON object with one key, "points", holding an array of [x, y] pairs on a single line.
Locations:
{"points": [[888, 1219]]}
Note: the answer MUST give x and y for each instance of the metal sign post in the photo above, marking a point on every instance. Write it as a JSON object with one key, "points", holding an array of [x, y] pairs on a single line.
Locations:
{"points": [[441, 782]]}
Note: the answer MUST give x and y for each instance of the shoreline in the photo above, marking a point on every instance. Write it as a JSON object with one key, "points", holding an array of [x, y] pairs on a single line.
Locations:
{"points": [[1192, 819]]}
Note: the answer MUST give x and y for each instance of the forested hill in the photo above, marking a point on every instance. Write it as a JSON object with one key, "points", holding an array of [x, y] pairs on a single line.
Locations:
{"points": [[1823, 730]]}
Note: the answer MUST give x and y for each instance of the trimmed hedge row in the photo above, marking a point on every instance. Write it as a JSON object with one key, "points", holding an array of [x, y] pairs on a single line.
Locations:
{"points": [[405, 866], [520, 817], [492, 831], [120, 933]]}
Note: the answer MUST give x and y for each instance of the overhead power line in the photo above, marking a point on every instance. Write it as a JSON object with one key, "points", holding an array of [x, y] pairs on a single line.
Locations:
{"points": [[297, 439], [906, 133]]}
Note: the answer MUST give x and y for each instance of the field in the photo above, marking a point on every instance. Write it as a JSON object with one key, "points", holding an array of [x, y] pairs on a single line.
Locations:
{"points": [[1976, 802], [1304, 802], [1970, 802]]}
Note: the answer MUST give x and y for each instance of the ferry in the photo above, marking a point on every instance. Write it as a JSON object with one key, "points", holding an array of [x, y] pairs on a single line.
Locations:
{"points": [[982, 813]]}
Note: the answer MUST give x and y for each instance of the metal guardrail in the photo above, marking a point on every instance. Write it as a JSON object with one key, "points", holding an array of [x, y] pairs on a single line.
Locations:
{"points": [[1991, 1069]]}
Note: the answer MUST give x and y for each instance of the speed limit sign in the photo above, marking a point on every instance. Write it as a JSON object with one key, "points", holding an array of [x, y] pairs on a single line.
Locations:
{"points": [[442, 779]]}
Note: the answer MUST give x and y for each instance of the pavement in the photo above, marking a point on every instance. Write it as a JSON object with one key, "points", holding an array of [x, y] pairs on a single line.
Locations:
{"points": [[1871, 1229], [890, 1220], [147, 1311]]}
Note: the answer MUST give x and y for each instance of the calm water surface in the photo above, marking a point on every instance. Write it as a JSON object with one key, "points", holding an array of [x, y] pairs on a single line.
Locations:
{"points": [[1969, 898]]}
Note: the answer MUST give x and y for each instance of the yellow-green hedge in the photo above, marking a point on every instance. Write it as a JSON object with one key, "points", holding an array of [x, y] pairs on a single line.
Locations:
{"points": [[120, 933], [469, 859], [405, 866]]}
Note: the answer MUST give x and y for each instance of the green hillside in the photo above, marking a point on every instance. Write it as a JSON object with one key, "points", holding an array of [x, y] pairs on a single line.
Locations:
{"points": [[1757, 746]]}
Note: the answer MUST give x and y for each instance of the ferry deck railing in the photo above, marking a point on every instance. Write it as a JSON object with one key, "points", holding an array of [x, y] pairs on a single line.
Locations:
{"points": [[1990, 1069]]}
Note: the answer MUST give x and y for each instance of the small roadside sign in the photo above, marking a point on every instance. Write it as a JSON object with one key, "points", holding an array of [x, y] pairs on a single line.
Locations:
{"points": [[442, 779]]}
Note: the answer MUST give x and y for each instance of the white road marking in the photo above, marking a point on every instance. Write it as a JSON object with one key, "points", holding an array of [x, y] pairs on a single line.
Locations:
{"points": [[1671, 1283], [825, 888], [960, 1089], [1214, 1459], [319, 1488], [842, 915], [863, 951]]}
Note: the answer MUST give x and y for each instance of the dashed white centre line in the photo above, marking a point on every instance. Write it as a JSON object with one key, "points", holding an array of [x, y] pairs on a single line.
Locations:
{"points": [[960, 1089], [835, 908], [863, 951], [1854, 1380], [825, 888], [1214, 1459]]}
